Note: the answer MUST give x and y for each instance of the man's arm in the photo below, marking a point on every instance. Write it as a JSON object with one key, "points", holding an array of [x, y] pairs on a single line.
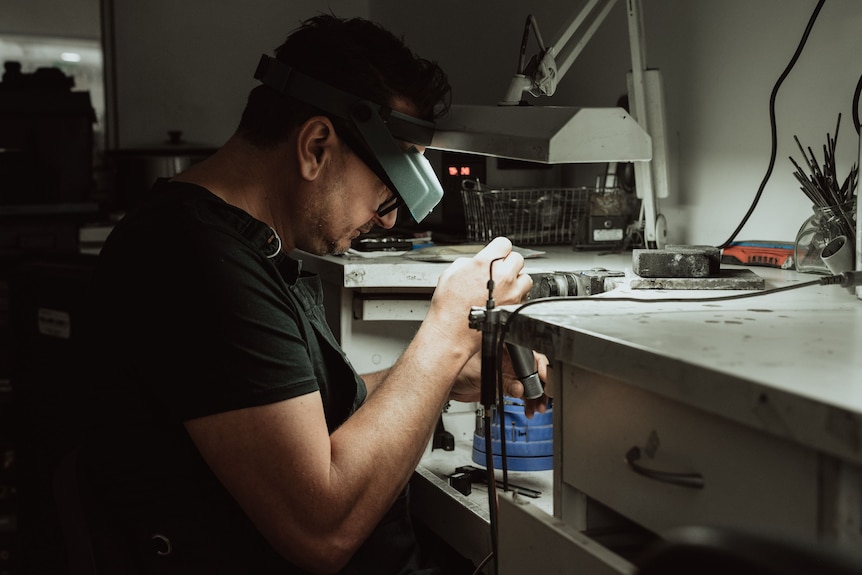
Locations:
{"points": [[372, 380], [317, 497]]}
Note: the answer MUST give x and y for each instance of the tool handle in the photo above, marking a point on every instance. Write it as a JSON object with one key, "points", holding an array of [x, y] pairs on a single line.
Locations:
{"points": [[525, 369]]}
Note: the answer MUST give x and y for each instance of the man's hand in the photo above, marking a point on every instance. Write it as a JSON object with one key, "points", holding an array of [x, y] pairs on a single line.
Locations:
{"points": [[467, 386], [464, 284]]}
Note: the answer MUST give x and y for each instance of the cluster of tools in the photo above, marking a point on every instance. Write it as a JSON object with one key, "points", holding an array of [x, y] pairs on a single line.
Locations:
{"points": [[824, 187]]}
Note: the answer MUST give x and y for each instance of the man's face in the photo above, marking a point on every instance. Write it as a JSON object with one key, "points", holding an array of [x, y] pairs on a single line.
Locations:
{"points": [[350, 199], [349, 206]]}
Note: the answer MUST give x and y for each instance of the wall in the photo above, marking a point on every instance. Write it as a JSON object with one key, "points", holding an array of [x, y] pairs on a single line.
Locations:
{"points": [[36, 32], [719, 62], [721, 70], [64, 18], [188, 65]]}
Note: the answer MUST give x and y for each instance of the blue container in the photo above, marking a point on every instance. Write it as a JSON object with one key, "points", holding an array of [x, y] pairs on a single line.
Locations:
{"points": [[529, 442]]}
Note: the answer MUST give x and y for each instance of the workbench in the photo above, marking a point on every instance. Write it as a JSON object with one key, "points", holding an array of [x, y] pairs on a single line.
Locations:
{"points": [[741, 414], [744, 413]]}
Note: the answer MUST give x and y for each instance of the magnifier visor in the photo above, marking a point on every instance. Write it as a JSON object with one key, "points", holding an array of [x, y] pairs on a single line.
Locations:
{"points": [[406, 172]]}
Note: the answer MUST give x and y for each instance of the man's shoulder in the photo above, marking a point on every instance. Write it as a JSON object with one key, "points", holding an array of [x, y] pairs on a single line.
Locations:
{"points": [[181, 213]]}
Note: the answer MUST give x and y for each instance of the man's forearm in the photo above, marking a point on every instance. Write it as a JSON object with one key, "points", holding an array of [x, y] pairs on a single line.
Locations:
{"points": [[372, 380]]}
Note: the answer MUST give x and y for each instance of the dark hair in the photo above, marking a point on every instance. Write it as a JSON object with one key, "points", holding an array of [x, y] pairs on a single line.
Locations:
{"points": [[355, 55]]}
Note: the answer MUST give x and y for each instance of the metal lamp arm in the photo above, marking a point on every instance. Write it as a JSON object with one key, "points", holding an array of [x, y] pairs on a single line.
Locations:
{"points": [[530, 77], [540, 75], [567, 51]]}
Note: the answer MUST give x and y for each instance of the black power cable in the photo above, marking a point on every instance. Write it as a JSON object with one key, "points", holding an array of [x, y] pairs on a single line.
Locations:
{"points": [[772, 123], [848, 280], [856, 123], [491, 366]]}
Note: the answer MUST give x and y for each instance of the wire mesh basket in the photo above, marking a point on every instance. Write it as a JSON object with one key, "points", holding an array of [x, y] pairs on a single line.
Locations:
{"points": [[533, 216]]}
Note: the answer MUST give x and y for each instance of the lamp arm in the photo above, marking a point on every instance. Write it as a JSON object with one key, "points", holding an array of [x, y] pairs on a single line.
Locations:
{"points": [[546, 68], [567, 51], [529, 25], [646, 103], [535, 76]]}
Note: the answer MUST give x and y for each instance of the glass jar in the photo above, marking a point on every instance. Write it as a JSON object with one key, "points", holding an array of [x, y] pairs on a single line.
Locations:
{"points": [[827, 223]]}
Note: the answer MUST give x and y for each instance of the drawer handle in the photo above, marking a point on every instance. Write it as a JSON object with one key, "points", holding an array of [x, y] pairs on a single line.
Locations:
{"points": [[692, 480]]}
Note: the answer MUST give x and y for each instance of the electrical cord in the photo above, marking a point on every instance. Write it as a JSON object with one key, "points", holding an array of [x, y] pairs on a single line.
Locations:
{"points": [[491, 359], [530, 24], [846, 279], [492, 343], [772, 124], [501, 414], [484, 562], [855, 105]]}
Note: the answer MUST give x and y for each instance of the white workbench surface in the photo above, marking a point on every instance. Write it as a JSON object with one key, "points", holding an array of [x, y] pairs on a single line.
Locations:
{"points": [[401, 272], [787, 363]]}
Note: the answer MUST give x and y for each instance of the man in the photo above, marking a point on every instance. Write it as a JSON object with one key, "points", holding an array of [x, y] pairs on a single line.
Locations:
{"points": [[234, 436]]}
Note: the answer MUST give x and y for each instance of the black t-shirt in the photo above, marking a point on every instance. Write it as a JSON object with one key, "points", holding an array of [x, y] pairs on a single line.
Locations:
{"points": [[196, 311]]}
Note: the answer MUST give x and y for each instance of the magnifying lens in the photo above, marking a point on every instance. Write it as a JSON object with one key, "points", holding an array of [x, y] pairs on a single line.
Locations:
{"points": [[406, 172]]}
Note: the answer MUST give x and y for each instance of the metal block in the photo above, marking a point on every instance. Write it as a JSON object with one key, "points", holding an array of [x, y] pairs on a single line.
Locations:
{"points": [[683, 262]]}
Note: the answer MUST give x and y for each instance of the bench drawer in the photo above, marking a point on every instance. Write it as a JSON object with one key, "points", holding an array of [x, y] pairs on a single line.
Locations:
{"points": [[685, 466]]}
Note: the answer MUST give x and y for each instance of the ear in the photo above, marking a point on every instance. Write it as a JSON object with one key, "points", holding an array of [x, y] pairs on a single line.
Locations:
{"points": [[316, 142]]}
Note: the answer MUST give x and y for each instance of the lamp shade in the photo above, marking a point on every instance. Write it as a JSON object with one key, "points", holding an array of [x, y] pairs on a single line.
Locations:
{"points": [[546, 134]]}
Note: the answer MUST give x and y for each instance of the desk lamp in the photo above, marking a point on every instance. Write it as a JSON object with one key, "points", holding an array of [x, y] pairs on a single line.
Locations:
{"points": [[556, 134]]}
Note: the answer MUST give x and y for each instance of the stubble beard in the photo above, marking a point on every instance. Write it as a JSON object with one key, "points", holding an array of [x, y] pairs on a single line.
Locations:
{"points": [[336, 250]]}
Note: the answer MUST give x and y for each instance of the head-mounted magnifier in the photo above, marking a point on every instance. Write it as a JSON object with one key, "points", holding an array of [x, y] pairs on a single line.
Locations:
{"points": [[406, 172]]}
